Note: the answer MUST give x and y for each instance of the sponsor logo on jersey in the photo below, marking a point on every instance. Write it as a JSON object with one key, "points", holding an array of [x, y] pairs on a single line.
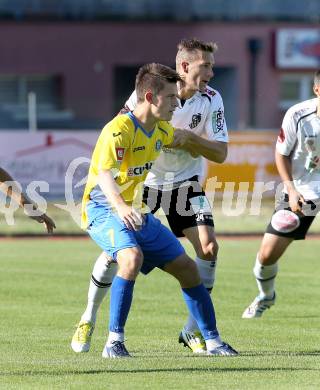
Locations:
{"points": [[169, 150], [217, 121], [281, 136], [158, 145], [312, 162], [196, 119], [138, 148], [116, 134], [120, 153], [310, 143], [138, 171]]}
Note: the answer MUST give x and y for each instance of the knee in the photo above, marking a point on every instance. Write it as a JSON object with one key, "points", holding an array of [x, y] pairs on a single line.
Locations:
{"points": [[262, 256], [266, 255], [208, 250], [129, 262], [188, 273], [134, 259], [190, 266]]}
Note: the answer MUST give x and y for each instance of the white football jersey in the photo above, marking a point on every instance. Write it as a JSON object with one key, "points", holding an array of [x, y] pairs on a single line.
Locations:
{"points": [[202, 114], [300, 138]]}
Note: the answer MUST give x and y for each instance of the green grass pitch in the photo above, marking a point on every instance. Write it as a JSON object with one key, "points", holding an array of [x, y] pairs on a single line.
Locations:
{"points": [[43, 287]]}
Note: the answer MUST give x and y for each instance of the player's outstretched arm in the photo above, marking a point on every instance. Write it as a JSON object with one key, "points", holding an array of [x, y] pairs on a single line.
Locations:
{"points": [[212, 150], [4, 176], [14, 192], [46, 220]]}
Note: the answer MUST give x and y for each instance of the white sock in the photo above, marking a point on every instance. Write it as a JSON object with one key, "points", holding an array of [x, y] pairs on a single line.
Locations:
{"points": [[265, 276], [213, 343], [113, 336], [207, 270], [101, 279]]}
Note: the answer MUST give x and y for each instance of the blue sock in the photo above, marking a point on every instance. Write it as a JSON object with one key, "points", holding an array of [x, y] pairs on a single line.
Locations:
{"points": [[200, 306], [120, 303]]}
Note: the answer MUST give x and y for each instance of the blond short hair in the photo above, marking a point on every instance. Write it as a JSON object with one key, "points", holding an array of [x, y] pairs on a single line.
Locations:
{"points": [[188, 48]]}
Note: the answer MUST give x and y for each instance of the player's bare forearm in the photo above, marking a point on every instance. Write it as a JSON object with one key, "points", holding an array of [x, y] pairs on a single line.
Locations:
{"points": [[284, 167], [10, 188], [212, 150], [131, 217], [110, 188], [4, 176]]}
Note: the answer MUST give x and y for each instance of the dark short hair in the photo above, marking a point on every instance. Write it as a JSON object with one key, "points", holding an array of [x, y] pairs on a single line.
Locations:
{"points": [[187, 48], [316, 78], [153, 77]]}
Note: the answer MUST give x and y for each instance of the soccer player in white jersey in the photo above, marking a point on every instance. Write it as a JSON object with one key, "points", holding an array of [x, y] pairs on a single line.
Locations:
{"points": [[10, 188], [298, 161], [179, 172]]}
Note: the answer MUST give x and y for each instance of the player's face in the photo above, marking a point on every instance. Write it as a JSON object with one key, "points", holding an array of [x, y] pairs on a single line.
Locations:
{"points": [[165, 102], [316, 90], [199, 71]]}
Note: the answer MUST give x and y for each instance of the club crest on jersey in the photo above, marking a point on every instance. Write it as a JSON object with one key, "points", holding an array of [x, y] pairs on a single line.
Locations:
{"points": [[158, 145], [217, 121], [120, 153], [196, 119], [210, 92], [138, 171]]}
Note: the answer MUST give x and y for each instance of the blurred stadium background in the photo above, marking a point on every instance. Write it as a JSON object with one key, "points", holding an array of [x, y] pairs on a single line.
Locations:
{"points": [[68, 66]]}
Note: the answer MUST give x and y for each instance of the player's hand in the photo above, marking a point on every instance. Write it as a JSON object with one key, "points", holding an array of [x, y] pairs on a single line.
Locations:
{"points": [[191, 151], [296, 202], [131, 217], [181, 138], [50, 225]]}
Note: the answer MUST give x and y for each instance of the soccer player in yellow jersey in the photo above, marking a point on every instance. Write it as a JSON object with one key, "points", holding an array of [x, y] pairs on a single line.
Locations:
{"points": [[124, 154], [127, 151]]}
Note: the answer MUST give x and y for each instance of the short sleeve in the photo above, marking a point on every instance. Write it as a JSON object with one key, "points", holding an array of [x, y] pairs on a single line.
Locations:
{"points": [[215, 126], [288, 134], [111, 147]]}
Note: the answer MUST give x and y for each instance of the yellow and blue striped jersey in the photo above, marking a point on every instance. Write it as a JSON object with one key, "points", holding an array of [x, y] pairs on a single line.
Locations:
{"points": [[129, 151]]}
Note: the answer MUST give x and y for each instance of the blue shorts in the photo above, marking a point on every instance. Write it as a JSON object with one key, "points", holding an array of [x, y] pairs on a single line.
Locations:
{"points": [[158, 244]]}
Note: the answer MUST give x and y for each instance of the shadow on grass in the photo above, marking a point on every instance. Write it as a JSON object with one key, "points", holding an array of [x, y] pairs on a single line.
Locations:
{"points": [[280, 353], [152, 370], [303, 316]]}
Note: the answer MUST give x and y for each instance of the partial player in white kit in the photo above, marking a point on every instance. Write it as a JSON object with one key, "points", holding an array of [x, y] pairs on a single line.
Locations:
{"points": [[298, 163], [174, 183]]}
